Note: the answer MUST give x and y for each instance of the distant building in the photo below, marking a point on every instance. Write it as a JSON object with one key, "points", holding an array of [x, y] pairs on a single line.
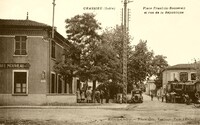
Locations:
{"points": [[27, 57], [179, 72]]}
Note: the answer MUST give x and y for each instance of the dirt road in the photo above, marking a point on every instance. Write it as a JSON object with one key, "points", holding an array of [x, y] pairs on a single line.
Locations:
{"points": [[149, 112]]}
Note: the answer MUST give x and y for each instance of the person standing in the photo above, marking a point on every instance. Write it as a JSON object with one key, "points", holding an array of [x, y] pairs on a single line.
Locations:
{"points": [[89, 95], [78, 96], [158, 95], [82, 96], [162, 96], [97, 96], [151, 96], [107, 95], [101, 96], [173, 98]]}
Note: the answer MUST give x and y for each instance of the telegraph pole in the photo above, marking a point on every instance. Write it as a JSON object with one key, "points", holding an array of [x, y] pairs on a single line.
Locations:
{"points": [[125, 47], [53, 18], [50, 42], [125, 50]]}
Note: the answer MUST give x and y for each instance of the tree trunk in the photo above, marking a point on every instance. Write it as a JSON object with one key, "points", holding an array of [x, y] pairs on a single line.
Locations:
{"points": [[94, 85]]}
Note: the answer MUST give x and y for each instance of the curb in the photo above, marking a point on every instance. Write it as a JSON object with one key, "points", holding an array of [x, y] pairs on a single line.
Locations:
{"points": [[119, 106]]}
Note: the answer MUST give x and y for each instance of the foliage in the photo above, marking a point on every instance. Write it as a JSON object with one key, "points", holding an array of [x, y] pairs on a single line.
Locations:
{"points": [[159, 64], [139, 65], [142, 64], [99, 57], [90, 56]]}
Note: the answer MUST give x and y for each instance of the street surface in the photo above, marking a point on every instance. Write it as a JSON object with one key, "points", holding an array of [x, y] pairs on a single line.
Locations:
{"points": [[147, 113]]}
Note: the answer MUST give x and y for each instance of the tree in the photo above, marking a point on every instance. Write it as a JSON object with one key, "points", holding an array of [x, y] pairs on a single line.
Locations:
{"points": [[139, 65], [159, 63], [90, 56], [82, 33]]}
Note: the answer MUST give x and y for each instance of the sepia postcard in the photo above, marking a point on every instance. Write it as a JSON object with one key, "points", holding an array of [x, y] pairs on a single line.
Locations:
{"points": [[99, 62]]}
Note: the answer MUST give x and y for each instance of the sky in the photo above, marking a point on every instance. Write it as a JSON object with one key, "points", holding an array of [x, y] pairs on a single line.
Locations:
{"points": [[173, 33]]}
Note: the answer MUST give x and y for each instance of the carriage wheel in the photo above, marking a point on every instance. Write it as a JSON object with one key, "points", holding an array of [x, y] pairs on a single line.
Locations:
{"points": [[197, 95]]}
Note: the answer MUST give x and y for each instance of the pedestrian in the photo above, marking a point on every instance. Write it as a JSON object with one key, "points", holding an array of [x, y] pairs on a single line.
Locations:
{"points": [[151, 96], [173, 98], [97, 96], [167, 97], [158, 95], [78, 96], [162, 96], [82, 95], [101, 96], [89, 95]]}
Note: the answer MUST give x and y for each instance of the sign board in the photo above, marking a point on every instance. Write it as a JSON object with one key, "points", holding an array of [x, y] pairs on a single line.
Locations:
{"points": [[14, 65]]}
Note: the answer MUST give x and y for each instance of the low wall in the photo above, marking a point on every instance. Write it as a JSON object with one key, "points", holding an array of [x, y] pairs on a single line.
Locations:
{"points": [[61, 98], [35, 99]]}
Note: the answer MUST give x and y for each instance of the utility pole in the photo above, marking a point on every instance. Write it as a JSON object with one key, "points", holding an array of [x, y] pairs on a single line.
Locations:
{"points": [[53, 19], [125, 47], [125, 50], [50, 42]]}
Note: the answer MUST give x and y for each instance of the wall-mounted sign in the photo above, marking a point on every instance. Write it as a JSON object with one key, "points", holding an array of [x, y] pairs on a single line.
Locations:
{"points": [[14, 65]]}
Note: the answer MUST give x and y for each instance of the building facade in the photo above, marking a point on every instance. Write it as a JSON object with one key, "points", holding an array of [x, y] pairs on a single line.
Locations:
{"points": [[27, 58], [180, 72]]}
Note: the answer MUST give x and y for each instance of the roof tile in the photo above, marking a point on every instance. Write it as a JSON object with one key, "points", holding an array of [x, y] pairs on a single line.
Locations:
{"points": [[181, 66], [11, 22]]}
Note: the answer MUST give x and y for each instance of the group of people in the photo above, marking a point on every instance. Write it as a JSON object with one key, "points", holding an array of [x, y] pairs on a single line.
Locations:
{"points": [[159, 95], [169, 97], [90, 96]]}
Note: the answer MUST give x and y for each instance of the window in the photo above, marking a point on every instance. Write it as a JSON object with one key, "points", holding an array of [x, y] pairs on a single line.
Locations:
{"points": [[53, 48], [60, 84], [193, 76], [20, 45], [183, 76], [174, 76], [53, 83], [20, 82]]}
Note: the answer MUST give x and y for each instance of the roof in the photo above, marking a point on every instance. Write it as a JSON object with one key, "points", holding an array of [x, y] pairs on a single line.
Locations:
{"points": [[21, 23], [13, 23], [181, 67]]}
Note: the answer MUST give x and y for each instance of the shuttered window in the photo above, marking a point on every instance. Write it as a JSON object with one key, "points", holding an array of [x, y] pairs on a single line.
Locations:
{"points": [[20, 45]]}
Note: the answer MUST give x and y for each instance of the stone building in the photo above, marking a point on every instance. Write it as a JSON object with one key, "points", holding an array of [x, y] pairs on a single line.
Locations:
{"points": [[27, 56], [179, 72]]}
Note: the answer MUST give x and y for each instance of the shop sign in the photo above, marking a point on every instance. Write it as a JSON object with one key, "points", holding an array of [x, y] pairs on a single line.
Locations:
{"points": [[14, 65]]}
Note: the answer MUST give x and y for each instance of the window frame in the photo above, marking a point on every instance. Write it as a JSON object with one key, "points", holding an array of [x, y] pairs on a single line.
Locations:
{"points": [[26, 49], [191, 76], [180, 74], [13, 82]]}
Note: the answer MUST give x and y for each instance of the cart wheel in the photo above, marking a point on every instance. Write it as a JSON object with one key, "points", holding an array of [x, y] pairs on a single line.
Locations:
{"points": [[197, 94]]}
